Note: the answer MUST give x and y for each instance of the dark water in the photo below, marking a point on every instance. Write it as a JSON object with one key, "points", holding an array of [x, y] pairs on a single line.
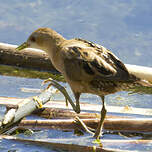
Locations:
{"points": [[124, 27]]}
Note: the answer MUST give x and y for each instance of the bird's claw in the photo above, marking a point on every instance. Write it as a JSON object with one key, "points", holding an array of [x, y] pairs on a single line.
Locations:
{"points": [[46, 81]]}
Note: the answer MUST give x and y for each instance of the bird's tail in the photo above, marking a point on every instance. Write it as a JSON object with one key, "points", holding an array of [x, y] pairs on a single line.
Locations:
{"points": [[141, 87]]}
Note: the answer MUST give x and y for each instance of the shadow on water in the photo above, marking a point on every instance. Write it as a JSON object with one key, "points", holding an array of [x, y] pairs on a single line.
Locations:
{"points": [[124, 27]]}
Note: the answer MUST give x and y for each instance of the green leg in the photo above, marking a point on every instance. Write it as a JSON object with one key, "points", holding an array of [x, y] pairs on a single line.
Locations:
{"points": [[98, 131], [76, 107], [100, 125]]}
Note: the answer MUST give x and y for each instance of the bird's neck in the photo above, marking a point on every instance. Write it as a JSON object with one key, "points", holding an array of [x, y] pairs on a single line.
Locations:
{"points": [[55, 58], [54, 52]]}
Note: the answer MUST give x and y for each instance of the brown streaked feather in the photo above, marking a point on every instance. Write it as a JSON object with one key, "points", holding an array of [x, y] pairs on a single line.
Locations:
{"points": [[106, 54], [93, 61]]}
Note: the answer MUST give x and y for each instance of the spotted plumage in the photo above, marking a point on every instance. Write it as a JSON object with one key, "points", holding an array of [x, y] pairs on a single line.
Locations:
{"points": [[86, 66], [94, 68]]}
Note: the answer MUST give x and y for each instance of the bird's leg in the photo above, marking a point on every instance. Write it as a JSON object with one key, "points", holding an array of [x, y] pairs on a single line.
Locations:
{"points": [[77, 96], [98, 131], [100, 125], [76, 107]]}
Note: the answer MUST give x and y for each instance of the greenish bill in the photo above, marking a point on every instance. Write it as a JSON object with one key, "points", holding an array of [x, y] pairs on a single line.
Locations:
{"points": [[22, 46]]}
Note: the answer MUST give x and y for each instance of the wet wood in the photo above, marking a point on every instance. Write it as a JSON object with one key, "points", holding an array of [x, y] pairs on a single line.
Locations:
{"points": [[140, 71], [28, 58], [37, 59], [77, 148], [115, 124], [57, 113], [13, 102], [25, 107]]}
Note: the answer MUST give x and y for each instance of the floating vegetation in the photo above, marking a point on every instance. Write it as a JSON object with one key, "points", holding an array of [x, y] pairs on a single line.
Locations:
{"points": [[28, 73]]}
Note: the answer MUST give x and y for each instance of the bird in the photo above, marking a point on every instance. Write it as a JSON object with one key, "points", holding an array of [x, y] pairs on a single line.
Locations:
{"points": [[86, 66]]}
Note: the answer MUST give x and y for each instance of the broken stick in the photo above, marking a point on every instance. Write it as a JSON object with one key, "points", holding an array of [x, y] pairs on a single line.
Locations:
{"points": [[25, 107]]}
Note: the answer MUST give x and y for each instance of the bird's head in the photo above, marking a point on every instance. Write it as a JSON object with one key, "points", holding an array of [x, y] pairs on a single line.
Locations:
{"points": [[43, 38]]}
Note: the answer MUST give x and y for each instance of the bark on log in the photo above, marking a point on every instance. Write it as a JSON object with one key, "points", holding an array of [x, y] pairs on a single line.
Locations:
{"points": [[114, 124], [28, 58], [37, 59], [74, 147], [140, 71], [111, 122], [13, 102], [67, 147]]}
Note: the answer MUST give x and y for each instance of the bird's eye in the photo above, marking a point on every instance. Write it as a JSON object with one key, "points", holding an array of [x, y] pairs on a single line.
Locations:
{"points": [[33, 39]]}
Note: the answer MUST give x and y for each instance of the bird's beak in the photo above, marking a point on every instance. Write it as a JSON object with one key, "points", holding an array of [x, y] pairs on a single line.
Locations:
{"points": [[22, 46]]}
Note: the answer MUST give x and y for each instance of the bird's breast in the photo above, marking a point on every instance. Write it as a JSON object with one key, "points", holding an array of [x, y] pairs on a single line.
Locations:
{"points": [[56, 61]]}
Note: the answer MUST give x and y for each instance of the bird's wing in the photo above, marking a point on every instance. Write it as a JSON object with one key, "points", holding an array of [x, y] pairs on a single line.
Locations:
{"points": [[91, 61]]}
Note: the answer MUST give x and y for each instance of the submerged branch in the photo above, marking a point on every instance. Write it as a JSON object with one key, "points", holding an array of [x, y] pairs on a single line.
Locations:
{"points": [[80, 148], [115, 124]]}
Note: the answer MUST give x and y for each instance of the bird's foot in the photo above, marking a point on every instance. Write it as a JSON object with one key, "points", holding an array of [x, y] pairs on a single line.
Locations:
{"points": [[95, 133], [58, 86], [83, 125]]}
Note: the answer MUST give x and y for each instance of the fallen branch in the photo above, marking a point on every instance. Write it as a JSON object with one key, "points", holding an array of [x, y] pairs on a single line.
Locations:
{"points": [[25, 107], [74, 147], [121, 124], [60, 113], [111, 122], [37, 59], [13, 102], [28, 58], [140, 71], [57, 113]]}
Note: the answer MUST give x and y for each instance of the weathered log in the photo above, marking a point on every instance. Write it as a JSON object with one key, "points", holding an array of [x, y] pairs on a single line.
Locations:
{"points": [[81, 148], [140, 71], [64, 146], [59, 113], [25, 107], [111, 122], [28, 58], [115, 124], [37, 59], [13, 102]]}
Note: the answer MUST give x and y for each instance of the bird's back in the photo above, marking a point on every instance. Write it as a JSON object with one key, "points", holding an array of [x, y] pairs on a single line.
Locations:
{"points": [[91, 68]]}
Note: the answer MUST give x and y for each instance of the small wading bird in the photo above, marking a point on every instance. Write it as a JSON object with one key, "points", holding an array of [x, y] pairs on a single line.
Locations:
{"points": [[86, 66]]}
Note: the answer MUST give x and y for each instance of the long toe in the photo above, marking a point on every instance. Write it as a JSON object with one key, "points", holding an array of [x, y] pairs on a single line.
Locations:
{"points": [[83, 125]]}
